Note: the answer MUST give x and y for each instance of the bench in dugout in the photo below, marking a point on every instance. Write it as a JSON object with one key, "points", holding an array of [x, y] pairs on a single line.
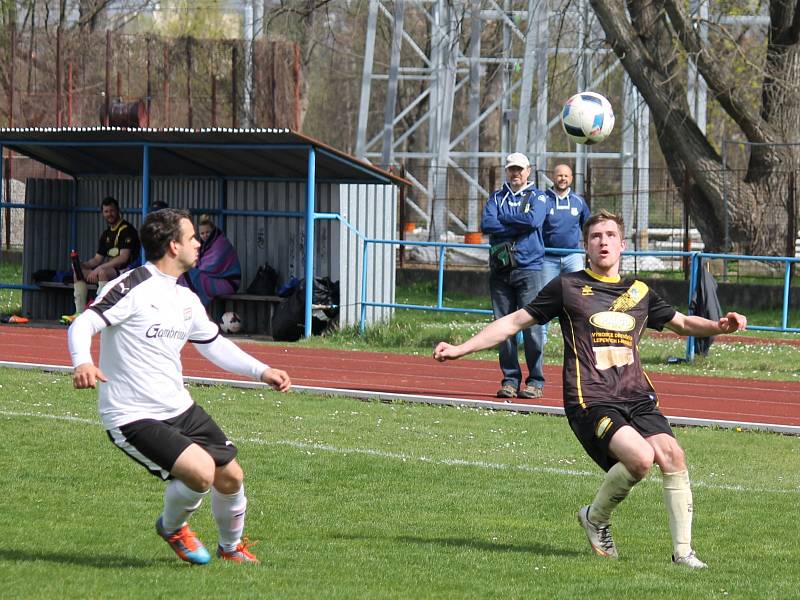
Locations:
{"points": [[65, 304], [255, 311]]}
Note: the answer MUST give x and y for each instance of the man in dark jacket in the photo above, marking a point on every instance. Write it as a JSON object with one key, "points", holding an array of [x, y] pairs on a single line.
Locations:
{"points": [[513, 218]]}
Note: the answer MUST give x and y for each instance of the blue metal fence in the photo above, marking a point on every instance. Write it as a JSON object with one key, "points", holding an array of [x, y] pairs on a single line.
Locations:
{"points": [[695, 259]]}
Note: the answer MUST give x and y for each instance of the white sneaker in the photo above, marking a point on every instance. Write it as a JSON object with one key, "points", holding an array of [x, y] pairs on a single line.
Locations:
{"points": [[599, 537], [690, 560]]}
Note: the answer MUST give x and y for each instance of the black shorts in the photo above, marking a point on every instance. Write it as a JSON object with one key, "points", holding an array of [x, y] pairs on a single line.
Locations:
{"points": [[595, 425], [156, 445]]}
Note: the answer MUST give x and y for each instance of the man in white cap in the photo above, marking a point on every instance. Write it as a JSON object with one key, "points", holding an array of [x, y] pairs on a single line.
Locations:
{"points": [[513, 219]]}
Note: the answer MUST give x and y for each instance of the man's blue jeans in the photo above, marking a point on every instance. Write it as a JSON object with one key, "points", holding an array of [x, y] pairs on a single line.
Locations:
{"points": [[554, 265], [511, 291]]}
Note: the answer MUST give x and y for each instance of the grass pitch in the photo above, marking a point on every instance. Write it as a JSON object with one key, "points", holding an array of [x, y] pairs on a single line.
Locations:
{"points": [[356, 500]]}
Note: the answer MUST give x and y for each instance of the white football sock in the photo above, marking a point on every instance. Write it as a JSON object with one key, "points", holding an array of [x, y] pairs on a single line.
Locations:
{"points": [[228, 511], [678, 500], [180, 501], [79, 293], [614, 489]]}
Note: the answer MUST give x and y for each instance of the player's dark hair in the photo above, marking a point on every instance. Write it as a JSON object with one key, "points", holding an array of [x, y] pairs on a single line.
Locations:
{"points": [[110, 201], [159, 229], [603, 215]]}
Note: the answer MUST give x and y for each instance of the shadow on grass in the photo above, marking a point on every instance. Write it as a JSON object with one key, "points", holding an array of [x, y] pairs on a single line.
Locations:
{"points": [[99, 561], [540, 549]]}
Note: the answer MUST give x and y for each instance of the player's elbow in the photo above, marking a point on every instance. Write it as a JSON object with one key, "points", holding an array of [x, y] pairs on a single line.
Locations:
{"points": [[680, 325]]}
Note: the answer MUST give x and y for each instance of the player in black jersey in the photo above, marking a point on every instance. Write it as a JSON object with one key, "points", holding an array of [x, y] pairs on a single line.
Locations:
{"points": [[609, 401]]}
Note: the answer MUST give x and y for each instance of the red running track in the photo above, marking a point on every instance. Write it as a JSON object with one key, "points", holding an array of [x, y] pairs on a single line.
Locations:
{"points": [[683, 398]]}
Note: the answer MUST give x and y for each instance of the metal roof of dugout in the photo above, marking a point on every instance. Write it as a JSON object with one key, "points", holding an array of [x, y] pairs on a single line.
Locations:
{"points": [[278, 154], [228, 156]]}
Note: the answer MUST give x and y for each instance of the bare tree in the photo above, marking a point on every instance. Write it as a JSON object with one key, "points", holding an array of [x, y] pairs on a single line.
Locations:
{"points": [[654, 40]]}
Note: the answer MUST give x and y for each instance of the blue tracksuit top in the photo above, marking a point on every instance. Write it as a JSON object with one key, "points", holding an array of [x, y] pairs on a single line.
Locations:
{"points": [[564, 221], [517, 217]]}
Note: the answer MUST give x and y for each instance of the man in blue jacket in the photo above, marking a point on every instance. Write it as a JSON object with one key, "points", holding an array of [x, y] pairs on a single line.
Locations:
{"points": [[563, 225], [513, 218]]}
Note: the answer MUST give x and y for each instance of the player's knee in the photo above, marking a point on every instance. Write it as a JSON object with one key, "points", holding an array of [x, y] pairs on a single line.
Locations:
{"points": [[201, 477], [204, 480], [229, 478], [640, 463], [671, 458], [106, 273]]}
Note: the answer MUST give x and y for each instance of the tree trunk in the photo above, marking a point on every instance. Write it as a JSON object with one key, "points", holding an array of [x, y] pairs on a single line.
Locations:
{"points": [[743, 212]]}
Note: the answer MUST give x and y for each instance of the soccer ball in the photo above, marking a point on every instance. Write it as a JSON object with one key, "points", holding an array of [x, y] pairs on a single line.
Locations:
{"points": [[230, 323], [587, 118]]}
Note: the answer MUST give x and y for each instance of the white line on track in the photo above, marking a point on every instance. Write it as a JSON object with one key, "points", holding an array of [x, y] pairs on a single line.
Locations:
{"points": [[456, 462], [441, 400]]}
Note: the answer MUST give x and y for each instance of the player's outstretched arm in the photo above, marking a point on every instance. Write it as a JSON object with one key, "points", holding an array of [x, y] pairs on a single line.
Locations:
{"points": [[490, 336], [278, 379], [702, 327], [227, 355]]}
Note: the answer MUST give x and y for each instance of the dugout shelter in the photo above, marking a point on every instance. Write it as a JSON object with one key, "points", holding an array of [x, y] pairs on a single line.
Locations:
{"points": [[281, 197]]}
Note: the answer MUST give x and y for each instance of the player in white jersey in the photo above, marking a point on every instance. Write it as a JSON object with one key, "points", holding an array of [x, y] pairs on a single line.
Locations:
{"points": [[145, 318]]}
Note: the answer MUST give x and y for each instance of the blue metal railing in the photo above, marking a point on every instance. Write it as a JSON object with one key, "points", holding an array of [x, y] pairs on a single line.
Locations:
{"points": [[695, 259], [440, 307]]}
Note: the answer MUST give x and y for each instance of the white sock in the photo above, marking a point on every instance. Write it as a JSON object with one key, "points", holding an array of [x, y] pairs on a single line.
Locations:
{"points": [[678, 500], [79, 293], [180, 501], [228, 511], [614, 489]]}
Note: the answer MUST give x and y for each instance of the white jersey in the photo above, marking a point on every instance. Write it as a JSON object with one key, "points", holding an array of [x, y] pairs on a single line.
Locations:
{"points": [[148, 318]]}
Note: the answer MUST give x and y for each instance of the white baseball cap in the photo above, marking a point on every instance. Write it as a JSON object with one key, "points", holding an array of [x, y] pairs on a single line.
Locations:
{"points": [[517, 159]]}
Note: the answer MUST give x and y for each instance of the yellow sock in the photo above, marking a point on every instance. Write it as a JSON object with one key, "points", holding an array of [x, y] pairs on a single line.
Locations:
{"points": [[678, 500], [616, 485]]}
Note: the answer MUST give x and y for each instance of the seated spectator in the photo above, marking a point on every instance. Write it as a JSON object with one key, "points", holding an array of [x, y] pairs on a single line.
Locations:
{"points": [[117, 251], [218, 270]]}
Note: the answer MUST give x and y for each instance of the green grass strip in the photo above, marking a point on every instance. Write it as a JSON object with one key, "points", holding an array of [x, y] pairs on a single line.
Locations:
{"points": [[358, 499]]}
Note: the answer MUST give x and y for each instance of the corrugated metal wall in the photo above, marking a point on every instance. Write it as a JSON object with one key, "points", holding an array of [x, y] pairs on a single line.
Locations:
{"points": [[46, 245], [278, 240], [372, 210]]}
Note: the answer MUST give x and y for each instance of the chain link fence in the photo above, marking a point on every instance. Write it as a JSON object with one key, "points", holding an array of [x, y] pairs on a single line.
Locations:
{"points": [[656, 217]]}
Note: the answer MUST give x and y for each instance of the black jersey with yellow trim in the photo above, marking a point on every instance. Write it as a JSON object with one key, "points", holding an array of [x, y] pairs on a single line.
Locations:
{"points": [[602, 320], [122, 236]]}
